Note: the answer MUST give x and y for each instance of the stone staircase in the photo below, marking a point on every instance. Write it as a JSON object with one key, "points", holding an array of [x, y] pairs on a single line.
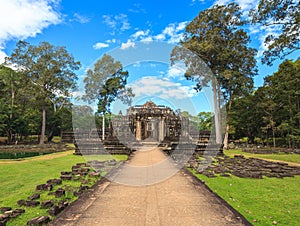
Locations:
{"points": [[91, 144]]}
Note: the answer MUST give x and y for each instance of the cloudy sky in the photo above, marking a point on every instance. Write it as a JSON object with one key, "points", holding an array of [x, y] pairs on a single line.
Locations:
{"points": [[93, 27]]}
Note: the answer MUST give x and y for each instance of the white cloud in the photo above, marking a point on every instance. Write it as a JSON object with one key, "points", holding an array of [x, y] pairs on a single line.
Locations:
{"points": [[254, 29], [177, 70], [2, 56], [20, 19], [175, 38], [147, 39], [100, 45], [124, 21], [127, 45], [111, 41], [181, 26], [137, 8], [163, 88], [160, 37], [80, 18], [169, 30], [245, 5], [139, 34], [109, 21], [266, 31], [117, 22], [194, 1], [172, 33]]}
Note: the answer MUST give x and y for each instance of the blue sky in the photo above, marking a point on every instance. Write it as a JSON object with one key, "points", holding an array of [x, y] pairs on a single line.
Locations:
{"points": [[91, 28]]}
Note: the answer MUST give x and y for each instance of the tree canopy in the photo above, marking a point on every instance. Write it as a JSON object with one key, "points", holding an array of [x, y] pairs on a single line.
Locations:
{"points": [[272, 111], [283, 17], [106, 82], [50, 72], [217, 37]]}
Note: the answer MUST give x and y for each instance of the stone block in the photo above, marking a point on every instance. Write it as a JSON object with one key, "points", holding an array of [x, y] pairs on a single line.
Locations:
{"points": [[44, 187], [32, 203], [39, 220], [47, 204], [66, 177], [54, 181], [4, 209], [34, 196], [60, 192], [21, 202]]}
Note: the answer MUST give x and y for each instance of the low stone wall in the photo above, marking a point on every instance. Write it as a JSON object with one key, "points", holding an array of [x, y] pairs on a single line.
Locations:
{"points": [[51, 147]]}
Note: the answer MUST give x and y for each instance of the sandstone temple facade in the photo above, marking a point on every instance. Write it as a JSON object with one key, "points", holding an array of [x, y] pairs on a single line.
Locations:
{"points": [[150, 122]]}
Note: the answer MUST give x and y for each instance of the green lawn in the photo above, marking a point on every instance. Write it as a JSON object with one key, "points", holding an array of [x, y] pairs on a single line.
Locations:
{"points": [[263, 202], [105, 157], [18, 179], [295, 158], [266, 201]]}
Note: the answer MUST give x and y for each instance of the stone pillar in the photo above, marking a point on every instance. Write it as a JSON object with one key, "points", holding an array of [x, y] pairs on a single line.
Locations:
{"points": [[161, 130], [138, 130], [155, 132]]}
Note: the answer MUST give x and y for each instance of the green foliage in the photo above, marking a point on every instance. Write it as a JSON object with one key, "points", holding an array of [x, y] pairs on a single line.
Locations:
{"points": [[82, 117], [223, 59], [203, 121], [106, 82], [245, 118], [216, 36], [272, 110], [13, 98], [49, 68], [283, 15], [43, 78]]}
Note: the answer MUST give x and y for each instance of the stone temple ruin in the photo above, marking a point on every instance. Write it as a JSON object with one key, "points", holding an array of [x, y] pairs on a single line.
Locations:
{"points": [[142, 124], [149, 123]]}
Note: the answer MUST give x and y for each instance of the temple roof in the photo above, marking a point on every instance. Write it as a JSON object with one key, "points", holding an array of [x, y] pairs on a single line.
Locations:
{"points": [[149, 104]]}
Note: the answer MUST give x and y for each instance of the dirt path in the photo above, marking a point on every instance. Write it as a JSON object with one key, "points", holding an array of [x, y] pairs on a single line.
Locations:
{"points": [[177, 199], [37, 158]]}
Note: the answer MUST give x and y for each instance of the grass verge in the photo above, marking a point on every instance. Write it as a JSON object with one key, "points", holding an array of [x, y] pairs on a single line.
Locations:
{"points": [[19, 180], [268, 201], [294, 158]]}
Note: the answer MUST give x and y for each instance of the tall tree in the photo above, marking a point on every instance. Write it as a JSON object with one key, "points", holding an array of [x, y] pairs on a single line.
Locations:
{"points": [[106, 82], [13, 84], [282, 16], [217, 36], [283, 90], [50, 70]]}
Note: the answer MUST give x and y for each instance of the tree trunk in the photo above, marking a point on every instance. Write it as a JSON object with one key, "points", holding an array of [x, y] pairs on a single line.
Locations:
{"points": [[12, 100], [227, 127], [103, 126], [273, 135], [42, 138], [226, 136], [262, 139], [217, 114], [9, 136]]}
